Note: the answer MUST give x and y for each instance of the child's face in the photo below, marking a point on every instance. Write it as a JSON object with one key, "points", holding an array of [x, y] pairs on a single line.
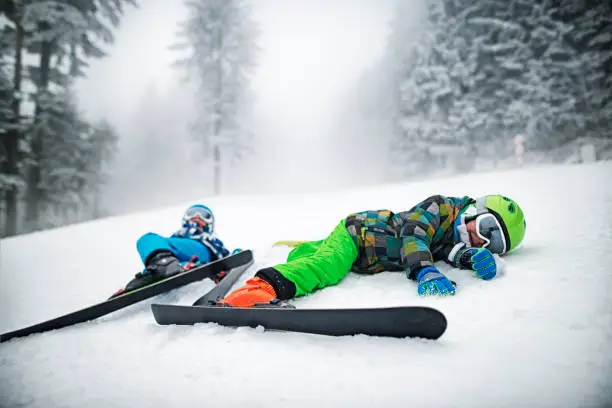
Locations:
{"points": [[475, 240]]}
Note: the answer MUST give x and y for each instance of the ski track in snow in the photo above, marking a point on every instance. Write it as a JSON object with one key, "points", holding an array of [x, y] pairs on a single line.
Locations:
{"points": [[539, 335]]}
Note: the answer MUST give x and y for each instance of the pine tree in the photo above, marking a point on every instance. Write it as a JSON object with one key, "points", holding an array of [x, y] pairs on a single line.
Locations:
{"points": [[428, 92], [590, 36], [529, 77], [6, 95], [493, 58], [555, 67], [63, 35], [513, 81], [220, 39], [98, 151], [76, 30], [485, 70], [58, 130], [73, 160], [12, 53]]}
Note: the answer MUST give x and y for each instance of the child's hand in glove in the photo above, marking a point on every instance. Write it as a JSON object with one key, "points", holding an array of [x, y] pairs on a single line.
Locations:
{"points": [[479, 260], [432, 282]]}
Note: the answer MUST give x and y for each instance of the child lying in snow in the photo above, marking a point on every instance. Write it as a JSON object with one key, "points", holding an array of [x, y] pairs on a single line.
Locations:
{"points": [[464, 232]]}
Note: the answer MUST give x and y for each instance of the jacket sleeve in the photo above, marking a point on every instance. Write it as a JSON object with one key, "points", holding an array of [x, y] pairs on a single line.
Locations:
{"points": [[216, 246], [417, 233]]}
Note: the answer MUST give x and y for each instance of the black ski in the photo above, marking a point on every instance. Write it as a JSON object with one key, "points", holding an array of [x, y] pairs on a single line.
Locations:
{"points": [[405, 321], [210, 270], [220, 290]]}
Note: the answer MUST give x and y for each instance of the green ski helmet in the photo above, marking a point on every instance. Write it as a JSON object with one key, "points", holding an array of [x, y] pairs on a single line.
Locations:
{"points": [[509, 215]]}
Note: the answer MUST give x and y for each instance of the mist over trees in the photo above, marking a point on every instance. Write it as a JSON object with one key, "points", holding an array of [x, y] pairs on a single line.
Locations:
{"points": [[56, 163], [475, 73], [53, 160], [156, 162], [456, 82], [219, 44]]}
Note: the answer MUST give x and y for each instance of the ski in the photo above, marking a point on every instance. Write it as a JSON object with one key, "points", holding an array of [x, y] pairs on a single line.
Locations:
{"points": [[400, 322], [210, 270], [288, 243], [220, 290]]}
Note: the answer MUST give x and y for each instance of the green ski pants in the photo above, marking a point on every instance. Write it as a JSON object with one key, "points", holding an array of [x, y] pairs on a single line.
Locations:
{"points": [[316, 264]]}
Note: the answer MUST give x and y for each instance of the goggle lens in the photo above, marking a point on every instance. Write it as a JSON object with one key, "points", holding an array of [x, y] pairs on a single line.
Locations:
{"points": [[198, 212], [489, 229]]}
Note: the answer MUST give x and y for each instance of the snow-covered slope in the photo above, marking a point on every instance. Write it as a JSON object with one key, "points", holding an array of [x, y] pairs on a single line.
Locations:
{"points": [[538, 336]]}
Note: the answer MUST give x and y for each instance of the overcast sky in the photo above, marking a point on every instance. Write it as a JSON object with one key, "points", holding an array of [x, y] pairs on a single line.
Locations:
{"points": [[312, 51]]}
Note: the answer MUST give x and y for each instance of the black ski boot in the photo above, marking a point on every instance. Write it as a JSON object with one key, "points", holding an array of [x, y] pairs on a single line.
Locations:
{"points": [[161, 265]]}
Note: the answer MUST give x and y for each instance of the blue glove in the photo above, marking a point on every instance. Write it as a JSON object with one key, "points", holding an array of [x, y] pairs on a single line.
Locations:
{"points": [[432, 282], [479, 260]]}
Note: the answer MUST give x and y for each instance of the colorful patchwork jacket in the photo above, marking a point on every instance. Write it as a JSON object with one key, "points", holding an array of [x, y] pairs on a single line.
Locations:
{"points": [[407, 241]]}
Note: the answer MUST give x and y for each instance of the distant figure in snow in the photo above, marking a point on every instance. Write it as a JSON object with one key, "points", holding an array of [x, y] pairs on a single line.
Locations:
{"points": [[193, 244], [519, 148], [464, 232]]}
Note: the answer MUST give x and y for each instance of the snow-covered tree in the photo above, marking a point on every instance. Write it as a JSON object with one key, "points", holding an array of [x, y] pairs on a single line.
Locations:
{"points": [[428, 88], [589, 35], [6, 121], [97, 158], [220, 41], [500, 62], [533, 74], [483, 71], [70, 161], [6, 97], [543, 91], [12, 36], [60, 36], [72, 31]]}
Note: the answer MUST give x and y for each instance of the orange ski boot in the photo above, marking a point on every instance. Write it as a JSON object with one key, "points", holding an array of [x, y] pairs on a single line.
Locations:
{"points": [[255, 290]]}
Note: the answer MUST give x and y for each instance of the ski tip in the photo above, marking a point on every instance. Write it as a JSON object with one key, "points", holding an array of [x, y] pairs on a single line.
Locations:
{"points": [[117, 293], [288, 243], [4, 337]]}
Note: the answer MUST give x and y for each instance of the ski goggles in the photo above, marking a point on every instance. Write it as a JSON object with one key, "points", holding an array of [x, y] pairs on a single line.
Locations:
{"points": [[200, 215], [490, 231]]}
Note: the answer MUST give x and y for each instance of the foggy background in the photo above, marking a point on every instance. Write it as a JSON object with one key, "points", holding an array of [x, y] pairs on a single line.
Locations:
{"points": [[312, 53], [108, 107]]}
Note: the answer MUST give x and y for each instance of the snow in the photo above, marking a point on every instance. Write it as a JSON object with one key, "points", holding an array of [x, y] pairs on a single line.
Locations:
{"points": [[537, 336]]}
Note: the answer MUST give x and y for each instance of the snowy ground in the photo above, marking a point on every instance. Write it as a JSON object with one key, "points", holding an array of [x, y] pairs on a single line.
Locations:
{"points": [[539, 336]]}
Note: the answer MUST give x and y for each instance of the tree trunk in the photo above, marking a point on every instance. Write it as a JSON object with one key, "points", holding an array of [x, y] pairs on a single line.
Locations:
{"points": [[35, 191], [218, 111], [14, 135], [217, 169]]}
